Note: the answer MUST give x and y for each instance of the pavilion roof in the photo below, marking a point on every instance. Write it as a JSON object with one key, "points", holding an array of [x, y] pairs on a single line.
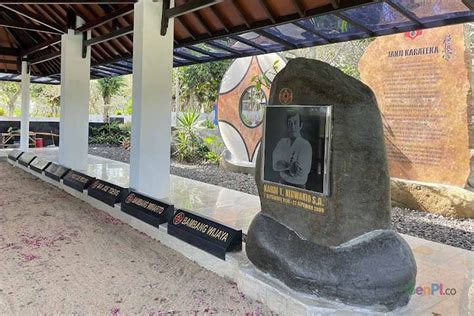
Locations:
{"points": [[205, 30]]}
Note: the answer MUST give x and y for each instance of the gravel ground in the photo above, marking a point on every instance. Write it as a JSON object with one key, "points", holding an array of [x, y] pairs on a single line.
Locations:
{"points": [[61, 256], [449, 231]]}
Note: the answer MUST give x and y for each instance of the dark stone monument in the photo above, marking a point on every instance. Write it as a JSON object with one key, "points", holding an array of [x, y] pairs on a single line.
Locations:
{"points": [[106, 192], [78, 181], [55, 171], [147, 209], [337, 244], [205, 234], [26, 159], [39, 165]]}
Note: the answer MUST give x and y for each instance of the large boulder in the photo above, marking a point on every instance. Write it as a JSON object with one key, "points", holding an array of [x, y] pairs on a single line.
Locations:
{"points": [[434, 198], [348, 252]]}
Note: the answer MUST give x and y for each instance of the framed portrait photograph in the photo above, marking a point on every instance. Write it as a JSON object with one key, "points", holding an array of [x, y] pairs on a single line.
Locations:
{"points": [[296, 147]]}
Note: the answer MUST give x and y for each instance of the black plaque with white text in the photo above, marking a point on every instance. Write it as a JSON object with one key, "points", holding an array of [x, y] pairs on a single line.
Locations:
{"points": [[15, 154], [205, 234], [39, 165], [78, 181], [55, 171], [26, 159], [147, 209], [106, 192]]}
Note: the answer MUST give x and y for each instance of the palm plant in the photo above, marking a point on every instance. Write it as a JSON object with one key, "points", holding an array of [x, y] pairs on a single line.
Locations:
{"points": [[187, 142], [109, 87]]}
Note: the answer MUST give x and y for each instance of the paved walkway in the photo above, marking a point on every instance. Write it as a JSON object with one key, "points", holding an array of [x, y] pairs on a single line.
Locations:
{"points": [[61, 256]]}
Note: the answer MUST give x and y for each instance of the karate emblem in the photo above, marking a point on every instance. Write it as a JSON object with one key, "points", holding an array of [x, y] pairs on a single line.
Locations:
{"points": [[130, 198], [286, 96], [178, 218], [413, 34]]}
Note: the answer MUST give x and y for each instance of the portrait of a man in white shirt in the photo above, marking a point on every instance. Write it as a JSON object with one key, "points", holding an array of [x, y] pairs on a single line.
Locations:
{"points": [[292, 156]]}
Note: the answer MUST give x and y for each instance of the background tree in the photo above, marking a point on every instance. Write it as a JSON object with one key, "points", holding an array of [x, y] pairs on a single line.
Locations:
{"points": [[95, 99], [46, 100], [9, 94], [200, 84], [109, 87], [344, 56]]}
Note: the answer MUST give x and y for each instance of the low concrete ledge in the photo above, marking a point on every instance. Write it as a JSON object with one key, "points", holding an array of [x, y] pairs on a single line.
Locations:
{"points": [[440, 199]]}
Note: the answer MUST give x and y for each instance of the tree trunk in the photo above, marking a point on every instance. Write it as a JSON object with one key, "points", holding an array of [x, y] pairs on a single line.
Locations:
{"points": [[107, 110], [12, 102]]}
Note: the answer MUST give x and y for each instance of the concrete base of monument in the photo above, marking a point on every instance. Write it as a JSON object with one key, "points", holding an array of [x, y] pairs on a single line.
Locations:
{"points": [[231, 164], [440, 199], [374, 269]]}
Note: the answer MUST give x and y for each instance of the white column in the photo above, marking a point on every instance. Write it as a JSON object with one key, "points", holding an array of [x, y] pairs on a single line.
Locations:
{"points": [[25, 106], [74, 121], [152, 93]]}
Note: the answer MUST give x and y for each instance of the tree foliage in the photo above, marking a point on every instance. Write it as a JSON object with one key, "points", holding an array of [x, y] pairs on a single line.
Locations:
{"points": [[47, 100], [9, 94], [200, 83], [345, 55]]}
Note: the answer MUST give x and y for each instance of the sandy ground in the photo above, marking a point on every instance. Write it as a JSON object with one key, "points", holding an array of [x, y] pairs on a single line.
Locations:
{"points": [[61, 256]]}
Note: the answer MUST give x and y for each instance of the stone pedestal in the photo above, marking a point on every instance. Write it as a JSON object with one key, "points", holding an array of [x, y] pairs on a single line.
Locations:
{"points": [[346, 249]]}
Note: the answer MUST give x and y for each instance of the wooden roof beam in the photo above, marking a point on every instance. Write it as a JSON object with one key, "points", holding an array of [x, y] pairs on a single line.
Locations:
{"points": [[189, 7], [299, 7], [241, 29], [335, 3], [47, 57], [41, 46], [469, 4], [268, 10], [107, 37], [241, 12], [9, 51], [216, 14], [106, 18], [27, 27], [67, 1], [33, 17]]}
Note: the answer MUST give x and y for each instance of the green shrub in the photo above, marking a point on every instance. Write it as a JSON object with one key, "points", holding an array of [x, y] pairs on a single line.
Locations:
{"points": [[187, 121], [188, 146], [213, 147], [2, 112], [207, 123], [111, 134], [212, 157]]}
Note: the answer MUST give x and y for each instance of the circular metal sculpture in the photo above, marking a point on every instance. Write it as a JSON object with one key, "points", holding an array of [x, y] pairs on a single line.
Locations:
{"points": [[241, 107]]}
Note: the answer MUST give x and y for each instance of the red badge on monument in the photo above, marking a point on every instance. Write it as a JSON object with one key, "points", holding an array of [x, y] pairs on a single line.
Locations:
{"points": [[414, 34], [286, 96]]}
